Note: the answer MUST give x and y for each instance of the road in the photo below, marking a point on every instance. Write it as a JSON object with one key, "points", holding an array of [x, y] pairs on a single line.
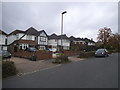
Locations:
{"points": [[89, 73]]}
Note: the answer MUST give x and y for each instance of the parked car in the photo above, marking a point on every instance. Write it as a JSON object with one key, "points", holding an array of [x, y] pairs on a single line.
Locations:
{"points": [[5, 54], [53, 50], [101, 52], [32, 49]]}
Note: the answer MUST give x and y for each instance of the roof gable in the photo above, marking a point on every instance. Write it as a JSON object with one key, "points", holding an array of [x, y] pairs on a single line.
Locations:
{"points": [[3, 33], [31, 31], [42, 31], [53, 36]]}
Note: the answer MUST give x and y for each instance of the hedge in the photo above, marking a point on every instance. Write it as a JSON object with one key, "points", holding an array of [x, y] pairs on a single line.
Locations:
{"points": [[86, 54], [61, 59]]}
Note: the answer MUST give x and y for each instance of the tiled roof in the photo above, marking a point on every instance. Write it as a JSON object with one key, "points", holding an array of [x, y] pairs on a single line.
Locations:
{"points": [[80, 39], [3, 33], [31, 31], [63, 36], [16, 32], [71, 38], [53, 36]]}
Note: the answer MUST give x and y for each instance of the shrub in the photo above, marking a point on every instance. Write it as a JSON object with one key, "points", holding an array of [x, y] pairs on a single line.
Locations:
{"points": [[113, 51], [8, 69], [86, 54], [60, 54], [61, 59]]}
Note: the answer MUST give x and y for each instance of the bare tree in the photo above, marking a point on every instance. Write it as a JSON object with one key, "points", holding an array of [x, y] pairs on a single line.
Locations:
{"points": [[104, 35]]}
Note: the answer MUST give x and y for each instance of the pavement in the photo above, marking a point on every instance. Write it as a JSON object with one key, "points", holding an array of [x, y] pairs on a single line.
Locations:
{"points": [[88, 73]]}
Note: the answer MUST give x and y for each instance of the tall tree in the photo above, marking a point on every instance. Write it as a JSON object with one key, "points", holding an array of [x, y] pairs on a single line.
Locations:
{"points": [[104, 35]]}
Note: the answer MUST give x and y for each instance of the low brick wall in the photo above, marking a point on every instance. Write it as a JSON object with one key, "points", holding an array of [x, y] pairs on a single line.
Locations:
{"points": [[38, 55], [43, 55], [71, 53]]}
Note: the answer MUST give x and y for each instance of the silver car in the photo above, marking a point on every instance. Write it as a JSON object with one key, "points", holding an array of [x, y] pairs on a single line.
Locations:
{"points": [[5, 54], [101, 52]]}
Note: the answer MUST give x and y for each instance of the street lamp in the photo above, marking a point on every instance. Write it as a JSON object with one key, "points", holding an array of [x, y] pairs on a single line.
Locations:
{"points": [[62, 27]]}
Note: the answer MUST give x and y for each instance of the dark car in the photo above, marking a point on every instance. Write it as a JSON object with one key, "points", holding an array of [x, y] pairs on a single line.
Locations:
{"points": [[32, 49], [101, 52], [5, 54]]}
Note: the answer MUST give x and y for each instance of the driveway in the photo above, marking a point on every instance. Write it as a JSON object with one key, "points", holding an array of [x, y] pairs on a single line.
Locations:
{"points": [[27, 66]]}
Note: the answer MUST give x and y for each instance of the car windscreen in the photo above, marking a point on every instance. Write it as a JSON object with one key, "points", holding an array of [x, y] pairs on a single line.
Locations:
{"points": [[0, 52], [100, 50], [4, 51], [32, 48]]}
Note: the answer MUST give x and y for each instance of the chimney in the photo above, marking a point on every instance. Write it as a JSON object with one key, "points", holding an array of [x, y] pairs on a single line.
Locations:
{"points": [[91, 39]]}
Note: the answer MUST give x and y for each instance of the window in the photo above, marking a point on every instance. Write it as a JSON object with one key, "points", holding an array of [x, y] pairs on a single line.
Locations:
{"points": [[55, 40], [35, 38], [29, 37], [75, 42], [42, 38], [42, 47], [17, 36]]}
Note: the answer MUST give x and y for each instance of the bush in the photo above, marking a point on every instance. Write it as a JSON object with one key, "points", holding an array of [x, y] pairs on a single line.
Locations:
{"points": [[60, 54], [86, 54], [61, 59], [8, 69]]}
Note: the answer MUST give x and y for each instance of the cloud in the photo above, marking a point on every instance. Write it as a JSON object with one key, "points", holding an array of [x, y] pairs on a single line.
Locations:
{"points": [[83, 19]]}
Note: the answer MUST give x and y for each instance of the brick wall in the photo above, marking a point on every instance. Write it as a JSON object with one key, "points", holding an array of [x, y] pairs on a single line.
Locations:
{"points": [[43, 55], [71, 53], [39, 55]]}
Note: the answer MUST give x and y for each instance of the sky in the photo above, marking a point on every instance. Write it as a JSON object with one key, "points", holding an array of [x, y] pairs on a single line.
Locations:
{"points": [[83, 19]]}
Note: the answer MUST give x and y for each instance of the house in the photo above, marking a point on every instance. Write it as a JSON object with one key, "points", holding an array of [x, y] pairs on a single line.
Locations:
{"points": [[3, 40], [55, 42], [74, 40], [29, 39], [89, 42], [65, 42], [21, 40], [81, 43], [40, 37], [15, 35], [76, 44]]}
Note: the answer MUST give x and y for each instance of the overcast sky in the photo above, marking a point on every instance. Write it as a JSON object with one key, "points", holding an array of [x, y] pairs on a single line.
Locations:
{"points": [[83, 19]]}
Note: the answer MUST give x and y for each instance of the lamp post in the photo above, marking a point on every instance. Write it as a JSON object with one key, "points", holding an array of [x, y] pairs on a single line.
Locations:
{"points": [[62, 28]]}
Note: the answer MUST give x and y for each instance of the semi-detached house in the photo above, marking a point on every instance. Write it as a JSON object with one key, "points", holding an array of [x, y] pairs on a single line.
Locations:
{"points": [[19, 39]]}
